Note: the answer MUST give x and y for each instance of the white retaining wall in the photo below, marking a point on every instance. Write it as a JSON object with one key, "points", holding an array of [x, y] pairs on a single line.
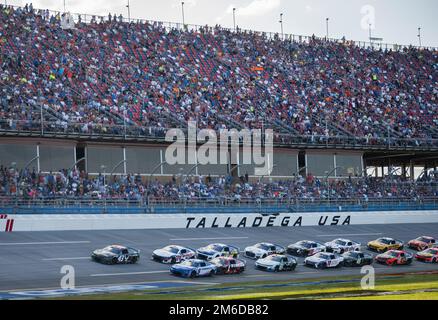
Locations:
{"points": [[170, 221]]}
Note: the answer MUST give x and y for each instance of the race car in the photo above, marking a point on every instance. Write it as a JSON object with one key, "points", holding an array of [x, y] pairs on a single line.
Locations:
{"points": [[342, 245], [357, 259], [216, 250], [385, 244], [262, 250], [305, 248], [422, 243], [276, 263], [428, 255], [324, 260], [228, 265], [116, 254], [395, 257], [173, 254], [193, 268]]}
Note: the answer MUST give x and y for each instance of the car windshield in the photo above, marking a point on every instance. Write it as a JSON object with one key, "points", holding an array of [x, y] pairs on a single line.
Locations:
{"points": [[431, 251], [305, 244], [274, 258], [113, 249], [324, 256], [171, 249], [351, 254], [384, 241], [423, 239], [215, 247], [341, 242], [262, 246]]}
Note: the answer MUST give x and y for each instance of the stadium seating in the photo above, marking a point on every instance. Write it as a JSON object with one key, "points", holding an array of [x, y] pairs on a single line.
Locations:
{"points": [[29, 184], [111, 76]]}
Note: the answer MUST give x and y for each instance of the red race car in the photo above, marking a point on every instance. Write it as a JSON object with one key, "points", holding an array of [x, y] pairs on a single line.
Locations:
{"points": [[228, 265], [395, 257], [422, 243], [428, 255]]}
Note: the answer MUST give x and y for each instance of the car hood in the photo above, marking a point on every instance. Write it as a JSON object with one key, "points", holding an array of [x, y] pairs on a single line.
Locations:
{"points": [[105, 253], [206, 251], [314, 259], [163, 253], [267, 262], [376, 244], [417, 242], [181, 267], [255, 250], [332, 245]]}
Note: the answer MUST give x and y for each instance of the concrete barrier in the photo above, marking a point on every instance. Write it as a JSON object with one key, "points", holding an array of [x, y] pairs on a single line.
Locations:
{"points": [[9, 223]]}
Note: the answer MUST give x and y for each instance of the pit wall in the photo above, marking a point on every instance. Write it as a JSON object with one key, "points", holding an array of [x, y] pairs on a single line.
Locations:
{"points": [[12, 223]]}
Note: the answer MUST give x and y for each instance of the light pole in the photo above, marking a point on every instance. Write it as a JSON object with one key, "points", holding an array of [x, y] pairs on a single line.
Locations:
{"points": [[129, 11], [281, 24], [183, 18], [102, 168], [369, 29], [64, 6], [327, 27], [234, 18], [419, 36]]}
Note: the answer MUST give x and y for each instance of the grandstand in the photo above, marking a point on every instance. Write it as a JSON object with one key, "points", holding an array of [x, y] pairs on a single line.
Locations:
{"points": [[85, 108]]}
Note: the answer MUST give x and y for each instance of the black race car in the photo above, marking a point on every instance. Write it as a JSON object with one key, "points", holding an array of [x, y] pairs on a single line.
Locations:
{"points": [[357, 259], [116, 254]]}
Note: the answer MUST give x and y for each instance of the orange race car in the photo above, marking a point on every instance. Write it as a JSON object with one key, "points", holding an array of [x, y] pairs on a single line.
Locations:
{"points": [[422, 243]]}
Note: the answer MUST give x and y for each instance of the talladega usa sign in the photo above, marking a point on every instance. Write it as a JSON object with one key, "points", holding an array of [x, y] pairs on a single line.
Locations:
{"points": [[254, 221]]}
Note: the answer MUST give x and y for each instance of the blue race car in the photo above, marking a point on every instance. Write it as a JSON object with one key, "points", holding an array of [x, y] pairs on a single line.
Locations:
{"points": [[193, 268]]}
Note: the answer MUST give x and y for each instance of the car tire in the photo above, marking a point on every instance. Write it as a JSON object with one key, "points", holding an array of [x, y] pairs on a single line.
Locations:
{"points": [[193, 274], [134, 260], [173, 261], [263, 256], [277, 269], [342, 251], [211, 274], [114, 261], [434, 260]]}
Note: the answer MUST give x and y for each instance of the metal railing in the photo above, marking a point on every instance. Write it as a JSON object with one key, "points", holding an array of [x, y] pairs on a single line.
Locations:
{"points": [[88, 18], [135, 132], [66, 205]]}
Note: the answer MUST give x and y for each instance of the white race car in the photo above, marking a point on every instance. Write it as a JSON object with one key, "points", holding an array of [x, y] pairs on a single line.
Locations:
{"points": [[324, 260], [217, 250], [262, 250], [173, 254], [342, 245], [276, 263]]}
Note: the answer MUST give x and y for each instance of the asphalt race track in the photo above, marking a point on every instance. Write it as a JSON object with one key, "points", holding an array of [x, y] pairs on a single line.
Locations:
{"points": [[33, 260]]}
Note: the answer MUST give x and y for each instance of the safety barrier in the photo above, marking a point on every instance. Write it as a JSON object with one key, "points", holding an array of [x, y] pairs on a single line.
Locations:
{"points": [[187, 221]]}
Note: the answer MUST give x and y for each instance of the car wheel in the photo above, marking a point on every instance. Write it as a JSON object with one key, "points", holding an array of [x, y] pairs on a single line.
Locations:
{"points": [[241, 269], [193, 274], [211, 273], [114, 261], [434, 260], [134, 260], [342, 251], [263, 256], [173, 261], [277, 269]]}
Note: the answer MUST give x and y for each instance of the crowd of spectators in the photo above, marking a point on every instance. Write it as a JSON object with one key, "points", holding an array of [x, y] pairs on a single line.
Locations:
{"points": [[73, 184], [109, 76]]}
